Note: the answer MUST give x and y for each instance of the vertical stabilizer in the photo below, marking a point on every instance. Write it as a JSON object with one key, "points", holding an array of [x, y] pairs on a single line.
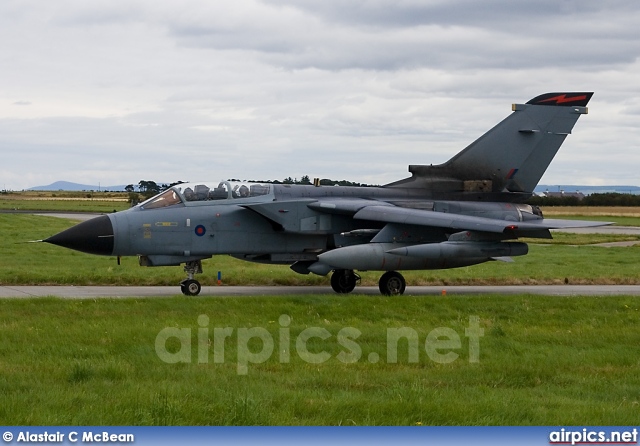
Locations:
{"points": [[513, 155]]}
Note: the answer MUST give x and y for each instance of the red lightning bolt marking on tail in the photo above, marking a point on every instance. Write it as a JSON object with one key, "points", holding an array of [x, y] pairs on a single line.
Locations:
{"points": [[563, 98]]}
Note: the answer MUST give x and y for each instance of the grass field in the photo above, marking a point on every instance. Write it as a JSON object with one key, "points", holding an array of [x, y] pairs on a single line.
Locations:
{"points": [[540, 361]]}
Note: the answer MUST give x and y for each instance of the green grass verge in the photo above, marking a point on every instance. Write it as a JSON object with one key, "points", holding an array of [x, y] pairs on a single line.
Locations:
{"points": [[41, 263], [542, 361]]}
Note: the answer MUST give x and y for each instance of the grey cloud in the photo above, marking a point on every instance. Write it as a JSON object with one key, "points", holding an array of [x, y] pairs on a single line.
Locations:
{"points": [[494, 14], [267, 89], [447, 35]]}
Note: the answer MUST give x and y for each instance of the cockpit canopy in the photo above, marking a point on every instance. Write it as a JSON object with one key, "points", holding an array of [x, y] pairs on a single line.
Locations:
{"points": [[197, 192]]}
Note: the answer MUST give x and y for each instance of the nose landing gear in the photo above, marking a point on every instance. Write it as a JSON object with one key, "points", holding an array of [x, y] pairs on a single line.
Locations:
{"points": [[190, 286]]}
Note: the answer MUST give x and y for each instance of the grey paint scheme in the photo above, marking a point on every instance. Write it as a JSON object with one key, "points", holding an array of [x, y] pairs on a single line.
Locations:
{"points": [[463, 212]]}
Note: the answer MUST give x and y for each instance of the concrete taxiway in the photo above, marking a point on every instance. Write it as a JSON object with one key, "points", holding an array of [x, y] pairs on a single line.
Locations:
{"points": [[94, 292]]}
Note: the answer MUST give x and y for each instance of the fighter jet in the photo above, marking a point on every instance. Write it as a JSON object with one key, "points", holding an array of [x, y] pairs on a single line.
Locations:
{"points": [[467, 211]]}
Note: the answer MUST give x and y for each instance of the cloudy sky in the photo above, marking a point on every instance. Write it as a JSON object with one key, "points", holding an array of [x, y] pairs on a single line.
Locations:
{"points": [[114, 92]]}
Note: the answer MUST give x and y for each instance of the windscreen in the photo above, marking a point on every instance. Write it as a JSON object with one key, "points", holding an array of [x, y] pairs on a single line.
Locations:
{"points": [[167, 198]]}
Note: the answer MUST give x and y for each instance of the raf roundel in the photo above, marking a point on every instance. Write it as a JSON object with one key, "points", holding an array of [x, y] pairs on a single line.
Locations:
{"points": [[200, 230]]}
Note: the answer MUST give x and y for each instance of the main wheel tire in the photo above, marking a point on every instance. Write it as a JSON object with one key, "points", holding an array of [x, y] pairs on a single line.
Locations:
{"points": [[190, 287], [392, 283], [343, 281]]}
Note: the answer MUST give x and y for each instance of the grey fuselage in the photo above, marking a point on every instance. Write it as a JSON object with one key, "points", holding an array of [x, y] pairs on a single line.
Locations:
{"points": [[283, 224]]}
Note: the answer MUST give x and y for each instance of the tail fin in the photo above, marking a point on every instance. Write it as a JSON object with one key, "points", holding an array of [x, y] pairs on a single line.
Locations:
{"points": [[513, 155]]}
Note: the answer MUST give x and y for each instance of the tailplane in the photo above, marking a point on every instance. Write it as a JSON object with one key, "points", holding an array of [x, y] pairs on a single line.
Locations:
{"points": [[513, 155]]}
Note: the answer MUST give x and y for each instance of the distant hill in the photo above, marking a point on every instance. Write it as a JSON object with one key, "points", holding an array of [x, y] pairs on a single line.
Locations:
{"points": [[68, 186]]}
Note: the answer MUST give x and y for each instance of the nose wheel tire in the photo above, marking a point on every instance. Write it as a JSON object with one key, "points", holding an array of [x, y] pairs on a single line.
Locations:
{"points": [[190, 287], [392, 283]]}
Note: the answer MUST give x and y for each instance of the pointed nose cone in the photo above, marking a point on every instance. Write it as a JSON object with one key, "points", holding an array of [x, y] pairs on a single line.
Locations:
{"points": [[93, 236]]}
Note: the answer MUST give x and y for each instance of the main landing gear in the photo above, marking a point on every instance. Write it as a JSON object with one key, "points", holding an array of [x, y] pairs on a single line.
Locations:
{"points": [[190, 286], [343, 281], [391, 283]]}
